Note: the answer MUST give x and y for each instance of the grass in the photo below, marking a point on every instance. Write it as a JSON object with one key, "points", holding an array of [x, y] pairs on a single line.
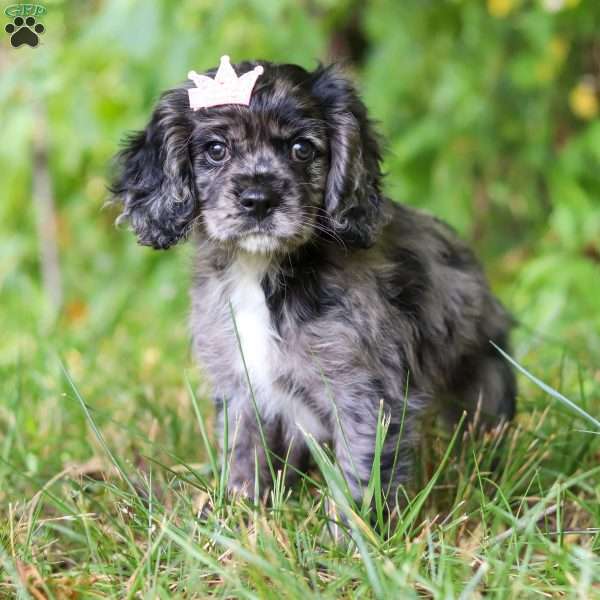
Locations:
{"points": [[107, 466]]}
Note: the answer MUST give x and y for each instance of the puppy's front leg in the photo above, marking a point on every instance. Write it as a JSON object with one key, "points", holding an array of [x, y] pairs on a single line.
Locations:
{"points": [[245, 453], [355, 443]]}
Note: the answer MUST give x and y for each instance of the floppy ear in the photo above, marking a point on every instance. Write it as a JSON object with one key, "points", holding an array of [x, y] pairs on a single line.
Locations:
{"points": [[352, 196], [155, 179]]}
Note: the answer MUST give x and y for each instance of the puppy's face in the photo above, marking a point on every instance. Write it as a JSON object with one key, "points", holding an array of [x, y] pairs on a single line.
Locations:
{"points": [[301, 161], [260, 171]]}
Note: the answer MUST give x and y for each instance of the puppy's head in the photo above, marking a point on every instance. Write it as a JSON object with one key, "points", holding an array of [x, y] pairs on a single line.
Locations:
{"points": [[300, 161]]}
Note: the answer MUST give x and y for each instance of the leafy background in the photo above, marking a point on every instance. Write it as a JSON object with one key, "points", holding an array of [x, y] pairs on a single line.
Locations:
{"points": [[491, 112]]}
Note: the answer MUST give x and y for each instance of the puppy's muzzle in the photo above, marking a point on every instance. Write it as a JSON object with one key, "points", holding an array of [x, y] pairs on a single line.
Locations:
{"points": [[259, 201]]}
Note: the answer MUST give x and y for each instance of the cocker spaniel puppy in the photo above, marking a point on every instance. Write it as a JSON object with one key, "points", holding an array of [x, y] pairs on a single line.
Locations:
{"points": [[316, 300]]}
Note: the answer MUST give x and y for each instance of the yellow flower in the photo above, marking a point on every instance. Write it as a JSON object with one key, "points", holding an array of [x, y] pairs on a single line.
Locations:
{"points": [[584, 101], [500, 8]]}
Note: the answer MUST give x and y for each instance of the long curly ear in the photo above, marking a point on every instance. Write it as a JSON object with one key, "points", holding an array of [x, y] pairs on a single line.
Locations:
{"points": [[155, 179], [352, 196]]}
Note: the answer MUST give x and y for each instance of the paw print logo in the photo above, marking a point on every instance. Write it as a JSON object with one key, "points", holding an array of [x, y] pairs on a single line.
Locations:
{"points": [[24, 31]]}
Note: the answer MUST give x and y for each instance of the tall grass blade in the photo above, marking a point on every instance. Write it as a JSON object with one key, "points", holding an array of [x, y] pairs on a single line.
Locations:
{"points": [[113, 458], [556, 395]]}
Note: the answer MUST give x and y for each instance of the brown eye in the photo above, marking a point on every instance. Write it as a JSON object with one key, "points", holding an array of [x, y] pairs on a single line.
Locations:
{"points": [[216, 152], [302, 150]]}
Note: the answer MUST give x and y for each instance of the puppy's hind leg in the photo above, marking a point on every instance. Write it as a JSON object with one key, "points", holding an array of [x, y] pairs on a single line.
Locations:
{"points": [[485, 388]]}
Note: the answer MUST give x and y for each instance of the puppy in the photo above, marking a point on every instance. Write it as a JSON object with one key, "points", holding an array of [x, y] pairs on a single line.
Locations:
{"points": [[318, 303]]}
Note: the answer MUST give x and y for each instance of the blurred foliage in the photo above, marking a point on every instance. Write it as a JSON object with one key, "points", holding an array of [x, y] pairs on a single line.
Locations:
{"points": [[490, 109]]}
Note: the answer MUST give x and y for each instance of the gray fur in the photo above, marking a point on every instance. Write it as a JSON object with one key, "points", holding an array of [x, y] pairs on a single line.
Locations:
{"points": [[346, 301]]}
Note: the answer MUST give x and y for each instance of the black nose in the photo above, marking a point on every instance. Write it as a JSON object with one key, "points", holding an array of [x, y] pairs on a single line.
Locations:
{"points": [[258, 201]]}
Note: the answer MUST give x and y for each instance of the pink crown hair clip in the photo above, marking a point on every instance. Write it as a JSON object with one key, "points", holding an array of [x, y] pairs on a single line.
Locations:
{"points": [[225, 88]]}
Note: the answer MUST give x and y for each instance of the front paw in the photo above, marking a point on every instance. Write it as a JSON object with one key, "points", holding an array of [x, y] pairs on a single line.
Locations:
{"points": [[240, 488]]}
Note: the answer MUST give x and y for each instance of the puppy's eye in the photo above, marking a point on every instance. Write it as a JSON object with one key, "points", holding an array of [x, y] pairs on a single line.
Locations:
{"points": [[302, 150], [216, 152]]}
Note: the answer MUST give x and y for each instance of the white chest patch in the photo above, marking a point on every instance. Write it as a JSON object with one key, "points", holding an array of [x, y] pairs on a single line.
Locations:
{"points": [[258, 340], [261, 346]]}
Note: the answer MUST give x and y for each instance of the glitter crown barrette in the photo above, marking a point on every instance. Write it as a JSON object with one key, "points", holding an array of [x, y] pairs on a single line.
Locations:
{"points": [[225, 88]]}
